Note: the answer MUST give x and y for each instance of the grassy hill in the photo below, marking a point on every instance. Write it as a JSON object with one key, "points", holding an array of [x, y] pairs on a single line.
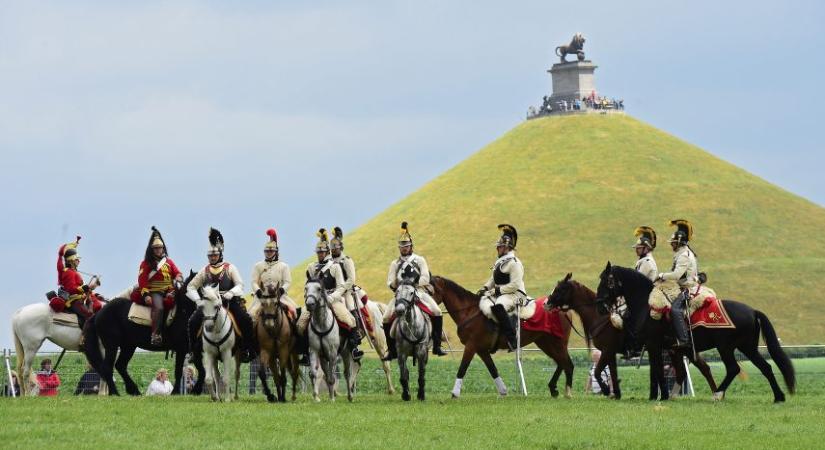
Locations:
{"points": [[576, 187]]}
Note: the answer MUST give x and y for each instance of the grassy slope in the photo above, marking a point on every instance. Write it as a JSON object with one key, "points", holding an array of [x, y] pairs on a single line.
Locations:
{"points": [[576, 187]]}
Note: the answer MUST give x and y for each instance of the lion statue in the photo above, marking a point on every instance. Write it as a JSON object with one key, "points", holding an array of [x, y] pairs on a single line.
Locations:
{"points": [[576, 46]]}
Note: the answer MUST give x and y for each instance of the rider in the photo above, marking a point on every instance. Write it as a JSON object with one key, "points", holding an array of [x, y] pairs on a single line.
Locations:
{"points": [[275, 273], [414, 266], [330, 275], [230, 286], [685, 273], [506, 285], [646, 265], [336, 246], [72, 287], [157, 279]]}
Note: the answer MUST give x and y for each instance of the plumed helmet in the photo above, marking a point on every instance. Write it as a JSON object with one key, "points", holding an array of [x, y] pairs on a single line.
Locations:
{"points": [[645, 237], [215, 242], [509, 236], [337, 241], [405, 239], [323, 241], [272, 242], [155, 240], [683, 233], [70, 250]]}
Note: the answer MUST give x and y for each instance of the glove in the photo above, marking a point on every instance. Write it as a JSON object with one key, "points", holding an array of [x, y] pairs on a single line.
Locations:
{"points": [[85, 288], [259, 293], [481, 292], [228, 295]]}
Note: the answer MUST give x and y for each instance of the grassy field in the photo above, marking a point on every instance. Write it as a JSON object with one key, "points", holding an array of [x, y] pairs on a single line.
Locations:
{"points": [[576, 188], [479, 419]]}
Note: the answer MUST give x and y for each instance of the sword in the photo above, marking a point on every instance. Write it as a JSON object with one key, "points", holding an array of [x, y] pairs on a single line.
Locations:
{"points": [[690, 328], [357, 301], [519, 367]]}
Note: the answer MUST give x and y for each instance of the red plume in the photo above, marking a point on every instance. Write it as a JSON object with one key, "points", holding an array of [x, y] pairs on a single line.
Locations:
{"points": [[273, 235]]}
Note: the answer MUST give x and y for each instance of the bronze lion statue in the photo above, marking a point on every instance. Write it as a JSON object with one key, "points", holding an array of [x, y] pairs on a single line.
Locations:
{"points": [[576, 46]]}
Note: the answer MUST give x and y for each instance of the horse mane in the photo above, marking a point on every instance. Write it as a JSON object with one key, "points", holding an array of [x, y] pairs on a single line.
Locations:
{"points": [[452, 285], [635, 281]]}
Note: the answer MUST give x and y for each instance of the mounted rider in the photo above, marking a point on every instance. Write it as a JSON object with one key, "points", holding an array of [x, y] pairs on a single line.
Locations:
{"points": [[646, 265], [505, 287], [683, 276], [271, 273], [411, 266], [331, 276], [157, 280], [72, 289], [336, 246], [228, 280]]}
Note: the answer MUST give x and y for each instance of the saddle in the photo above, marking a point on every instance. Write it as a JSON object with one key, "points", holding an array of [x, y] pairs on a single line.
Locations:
{"points": [[142, 315], [65, 319], [231, 319]]}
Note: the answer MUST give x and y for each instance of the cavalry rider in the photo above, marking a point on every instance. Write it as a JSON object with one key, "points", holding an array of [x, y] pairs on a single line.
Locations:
{"points": [[685, 273], [505, 286], [336, 246], [411, 266], [72, 288], [157, 279], [330, 275], [230, 286], [274, 274], [646, 265]]}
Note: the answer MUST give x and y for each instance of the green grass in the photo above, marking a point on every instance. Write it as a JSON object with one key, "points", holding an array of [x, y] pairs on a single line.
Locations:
{"points": [[576, 188], [746, 419]]}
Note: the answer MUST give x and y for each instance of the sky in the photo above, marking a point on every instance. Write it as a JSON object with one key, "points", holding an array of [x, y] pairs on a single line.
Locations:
{"points": [[116, 116]]}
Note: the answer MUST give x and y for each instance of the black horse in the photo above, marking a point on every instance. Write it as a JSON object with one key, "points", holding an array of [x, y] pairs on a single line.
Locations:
{"points": [[116, 332], [619, 281]]}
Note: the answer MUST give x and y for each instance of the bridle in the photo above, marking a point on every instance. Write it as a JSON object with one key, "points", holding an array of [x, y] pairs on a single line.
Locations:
{"points": [[409, 304], [322, 302], [214, 318]]}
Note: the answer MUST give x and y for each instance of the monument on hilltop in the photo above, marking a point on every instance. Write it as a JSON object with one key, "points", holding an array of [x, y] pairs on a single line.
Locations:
{"points": [[574, 88]]}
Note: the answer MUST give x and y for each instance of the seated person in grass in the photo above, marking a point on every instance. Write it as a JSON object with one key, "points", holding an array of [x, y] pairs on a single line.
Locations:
{"points": [[160, 385]]}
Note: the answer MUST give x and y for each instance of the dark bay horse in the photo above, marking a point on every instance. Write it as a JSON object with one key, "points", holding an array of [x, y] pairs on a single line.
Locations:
{"points": [[619, 281], [117, 333], [462, 305], [570, 294]]}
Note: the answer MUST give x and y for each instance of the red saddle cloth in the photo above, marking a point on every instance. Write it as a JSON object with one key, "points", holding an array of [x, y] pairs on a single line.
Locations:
{"points": [[711, 315], [544, 321], [365, 314], [58, 304]]}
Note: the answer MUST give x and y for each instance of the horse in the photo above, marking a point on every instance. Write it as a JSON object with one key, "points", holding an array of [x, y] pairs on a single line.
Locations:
{"points": [[617, 281], [111, 325], [219, 345], [326, 342], [412, 330], [31, 326], [276, 341], [472, 329], [376, 311], [570, 294]]}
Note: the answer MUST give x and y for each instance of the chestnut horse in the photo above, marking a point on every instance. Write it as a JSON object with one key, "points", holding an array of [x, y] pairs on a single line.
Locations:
{"points": [[462, 305]]}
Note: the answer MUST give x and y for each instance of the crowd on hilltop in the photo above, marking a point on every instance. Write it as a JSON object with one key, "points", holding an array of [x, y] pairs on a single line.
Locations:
{"points": [[589, 102]]}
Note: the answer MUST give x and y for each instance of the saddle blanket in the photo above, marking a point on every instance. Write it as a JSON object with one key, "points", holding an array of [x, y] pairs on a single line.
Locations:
{"points": [[65, 319], [141, 315], [544, 321], [711, 315]]}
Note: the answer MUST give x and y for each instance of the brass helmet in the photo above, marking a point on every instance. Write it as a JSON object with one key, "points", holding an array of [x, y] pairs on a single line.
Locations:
{"points": [[646, 237], [683, 233], [337, 242], [405, 239], [215, 243], [70, 251], [509, 236], [155, 240], [272, 242], [323, 241]]}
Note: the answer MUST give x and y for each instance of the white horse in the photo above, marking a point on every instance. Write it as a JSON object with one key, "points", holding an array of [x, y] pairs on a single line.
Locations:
{"points": [[376, 311], [412, 337], [33, 324], [218, 345], [325, 343]]}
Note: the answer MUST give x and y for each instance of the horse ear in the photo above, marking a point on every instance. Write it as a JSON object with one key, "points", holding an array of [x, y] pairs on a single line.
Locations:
{"points": [[608, 266], [568, 277]]}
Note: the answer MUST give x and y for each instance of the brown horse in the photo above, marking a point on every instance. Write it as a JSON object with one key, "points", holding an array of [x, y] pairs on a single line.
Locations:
{"points": [[276, 343], [570, 294], [462, 305]]}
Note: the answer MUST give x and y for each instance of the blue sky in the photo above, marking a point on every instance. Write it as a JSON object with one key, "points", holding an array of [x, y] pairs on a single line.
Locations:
{"points": [[116, 116]]}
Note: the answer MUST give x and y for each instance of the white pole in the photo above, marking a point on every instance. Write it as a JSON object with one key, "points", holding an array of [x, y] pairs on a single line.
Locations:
{"points": [[689, 384], [519, 368], [6, 355]]}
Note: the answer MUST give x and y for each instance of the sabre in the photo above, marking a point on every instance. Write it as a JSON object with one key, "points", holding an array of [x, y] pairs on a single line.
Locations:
{"points": [[6, 354], [363, 323], [519, 367], [690, 328]]}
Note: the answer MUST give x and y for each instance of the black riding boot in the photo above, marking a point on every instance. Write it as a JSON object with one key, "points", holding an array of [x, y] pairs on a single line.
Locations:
{"points": [[82, 314], [392, 351], [438, 327], [355, 341], [677, 315], [193, 327], [249, 347], [301, 343], [157, 320], [504, 325]]}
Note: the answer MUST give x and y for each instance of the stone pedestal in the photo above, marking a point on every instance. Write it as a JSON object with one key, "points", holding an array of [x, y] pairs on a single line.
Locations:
{"points": [[572, 80]]}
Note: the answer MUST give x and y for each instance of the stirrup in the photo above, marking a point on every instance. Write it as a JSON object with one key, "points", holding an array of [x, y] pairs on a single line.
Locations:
{"points": [[357, 354], [156, 339], [438, 351], [303, 360]]}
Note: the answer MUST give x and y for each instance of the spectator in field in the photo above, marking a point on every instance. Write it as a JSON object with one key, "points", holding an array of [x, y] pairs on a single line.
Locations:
{"points": [[47, 379], [160, 385], [592, 385], [190, 375], [14, 388], [89, 383]]}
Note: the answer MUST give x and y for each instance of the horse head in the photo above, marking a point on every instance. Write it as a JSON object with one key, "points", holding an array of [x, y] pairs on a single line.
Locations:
{"points": [[211, 304], [270, 305], [562, 294], [405, 296], [314, 294], [610, 287]]}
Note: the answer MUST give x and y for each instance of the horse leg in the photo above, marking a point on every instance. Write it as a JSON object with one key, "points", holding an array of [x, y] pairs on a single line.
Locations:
{"points": [[110, 353], [237, 376], [180, 357], [264, 363], [422, 370], [604, 361], [466, 359], [209, 368], [704, 369], [491, 367], [388, 375], [658, 389], [24, 366], [122, 365], [558, 352], [329, 373], [228, 372], [613, 369], [731, 370], [405, 376], [767, 371], [348, 363]]}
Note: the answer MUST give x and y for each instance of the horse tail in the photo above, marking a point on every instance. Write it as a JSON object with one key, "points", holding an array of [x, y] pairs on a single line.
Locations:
{"points": [[557, 51], [775, 350], [92, 349]]}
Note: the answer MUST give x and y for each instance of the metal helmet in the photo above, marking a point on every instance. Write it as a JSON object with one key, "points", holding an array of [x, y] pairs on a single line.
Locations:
{"points": [[337, 242], [683, 233], [646, 237], [272, 242], [323, 241], [215, 243], [155, 241], [405, 239], [509, 236], [70, 251]]}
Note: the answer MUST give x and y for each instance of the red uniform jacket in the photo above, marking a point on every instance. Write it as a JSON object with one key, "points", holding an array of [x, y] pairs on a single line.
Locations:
{"points": [[161, 281], [48, 382], [69, 279]]}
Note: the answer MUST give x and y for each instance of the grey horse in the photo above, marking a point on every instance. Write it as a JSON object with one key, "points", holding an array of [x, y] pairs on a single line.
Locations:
{"points": [[412, 337], [325, 343]]}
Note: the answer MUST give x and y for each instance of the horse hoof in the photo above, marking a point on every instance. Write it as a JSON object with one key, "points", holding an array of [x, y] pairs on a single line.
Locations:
{"points": [[779, 399], [568, 396], [554, 393], [405, 397], [270, 398], [718, 396]]}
